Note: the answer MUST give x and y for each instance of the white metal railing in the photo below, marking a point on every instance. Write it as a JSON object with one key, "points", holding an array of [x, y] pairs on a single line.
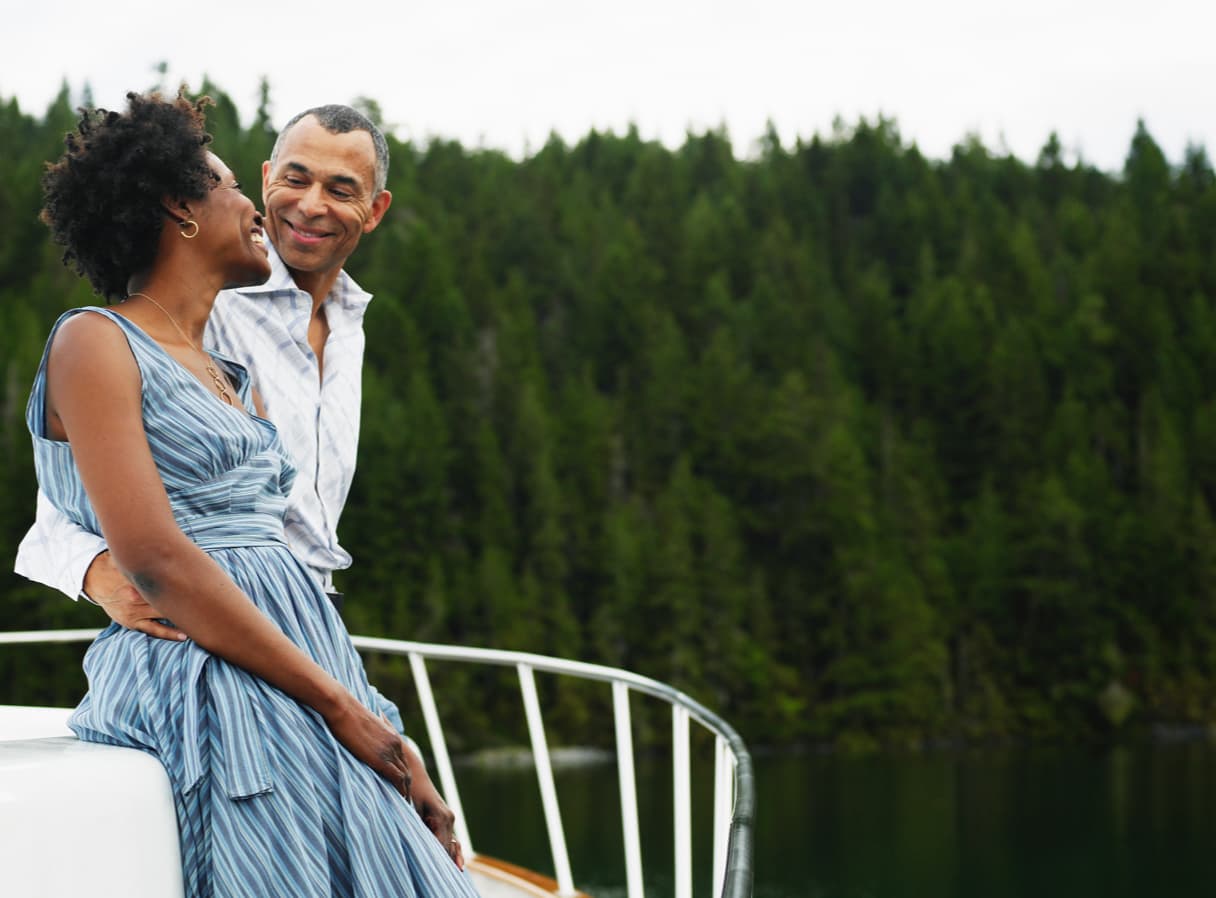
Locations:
{"points": [[733, 782]]}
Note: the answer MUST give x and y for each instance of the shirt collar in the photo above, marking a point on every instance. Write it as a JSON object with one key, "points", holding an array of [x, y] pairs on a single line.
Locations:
{"points": [[349, 294]]}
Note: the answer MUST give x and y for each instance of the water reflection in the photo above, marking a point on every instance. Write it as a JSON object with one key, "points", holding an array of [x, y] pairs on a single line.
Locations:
{"points": [[1127, 821]]}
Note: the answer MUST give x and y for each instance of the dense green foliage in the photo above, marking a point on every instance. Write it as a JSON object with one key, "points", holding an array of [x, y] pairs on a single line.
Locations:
{"points": [[850, 444]]}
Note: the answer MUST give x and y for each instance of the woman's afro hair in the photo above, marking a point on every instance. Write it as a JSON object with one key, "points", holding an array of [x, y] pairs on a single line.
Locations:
{"points": [[104, 198]]}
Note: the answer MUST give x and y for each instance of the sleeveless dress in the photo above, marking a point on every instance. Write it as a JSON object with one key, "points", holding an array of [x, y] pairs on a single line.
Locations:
{"points": [[268, 803]]}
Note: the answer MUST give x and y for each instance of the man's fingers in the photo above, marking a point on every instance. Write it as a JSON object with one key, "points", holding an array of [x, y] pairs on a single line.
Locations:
{"points": [[127, 608]]}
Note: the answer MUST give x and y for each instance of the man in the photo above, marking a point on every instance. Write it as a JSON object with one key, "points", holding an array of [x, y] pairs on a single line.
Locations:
{"points": [[300, 335]]}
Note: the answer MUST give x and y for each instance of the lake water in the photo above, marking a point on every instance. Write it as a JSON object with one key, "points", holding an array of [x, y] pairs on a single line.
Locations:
{"points": [[1063, 823]]}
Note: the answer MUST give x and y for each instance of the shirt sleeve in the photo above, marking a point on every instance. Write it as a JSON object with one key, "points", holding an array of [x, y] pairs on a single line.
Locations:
{"points": [[57, 551]]}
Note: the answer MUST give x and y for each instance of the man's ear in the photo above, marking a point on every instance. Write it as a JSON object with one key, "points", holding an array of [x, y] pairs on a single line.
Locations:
{"points": [[379, 206], [265, 180]]}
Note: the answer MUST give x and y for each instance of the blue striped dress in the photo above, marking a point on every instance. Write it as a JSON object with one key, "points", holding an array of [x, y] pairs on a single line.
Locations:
{"points": [[268, 803]]}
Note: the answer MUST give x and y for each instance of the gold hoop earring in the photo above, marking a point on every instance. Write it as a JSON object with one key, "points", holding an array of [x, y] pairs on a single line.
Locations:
{"points": [[187, 223]]}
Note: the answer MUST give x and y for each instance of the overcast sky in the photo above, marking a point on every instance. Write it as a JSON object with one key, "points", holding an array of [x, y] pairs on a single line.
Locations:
{"points": [[507, 73]]}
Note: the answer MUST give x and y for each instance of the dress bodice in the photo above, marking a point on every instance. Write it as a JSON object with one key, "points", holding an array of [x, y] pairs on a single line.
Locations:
{"points": [[225, 471]]}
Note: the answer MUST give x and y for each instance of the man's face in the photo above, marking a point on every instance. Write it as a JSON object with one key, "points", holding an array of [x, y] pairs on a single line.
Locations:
{"points": [[319, 197]]}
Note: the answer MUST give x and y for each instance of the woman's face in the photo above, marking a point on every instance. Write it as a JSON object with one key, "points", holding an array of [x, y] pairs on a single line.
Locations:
{"points": [[232, 227]]}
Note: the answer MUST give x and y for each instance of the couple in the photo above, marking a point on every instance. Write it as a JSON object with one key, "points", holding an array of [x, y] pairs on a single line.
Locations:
{"points": [[286, 776]]}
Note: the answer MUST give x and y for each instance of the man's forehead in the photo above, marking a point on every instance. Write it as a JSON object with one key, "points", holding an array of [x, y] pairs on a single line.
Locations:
{"points": [[310, 147]]}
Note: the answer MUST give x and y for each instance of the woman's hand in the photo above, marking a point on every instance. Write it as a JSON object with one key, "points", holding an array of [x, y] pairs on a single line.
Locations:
{"points": [[373, 741], [370, 739], [438, 817]]}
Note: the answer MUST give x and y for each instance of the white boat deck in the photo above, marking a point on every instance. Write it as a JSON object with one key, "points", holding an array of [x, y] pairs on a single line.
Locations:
{"points": [[71, 812], [60, 797], [20, 722]]}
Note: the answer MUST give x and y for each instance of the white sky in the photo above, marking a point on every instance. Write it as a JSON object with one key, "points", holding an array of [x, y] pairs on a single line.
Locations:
{"points": [[505, 74]]}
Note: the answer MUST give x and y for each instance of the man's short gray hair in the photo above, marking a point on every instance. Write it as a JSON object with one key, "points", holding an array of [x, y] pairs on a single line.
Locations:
{"points": [[338, 119]]}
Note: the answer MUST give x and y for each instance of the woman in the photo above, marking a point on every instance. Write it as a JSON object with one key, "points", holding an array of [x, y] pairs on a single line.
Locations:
{"points": [[284, 779]]}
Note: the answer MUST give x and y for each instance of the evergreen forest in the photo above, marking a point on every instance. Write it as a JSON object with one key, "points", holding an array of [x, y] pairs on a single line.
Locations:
{"points": [[856, 447]]}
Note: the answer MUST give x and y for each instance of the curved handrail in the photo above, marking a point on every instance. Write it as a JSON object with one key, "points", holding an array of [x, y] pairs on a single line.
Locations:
{"points": [[737, 875]]}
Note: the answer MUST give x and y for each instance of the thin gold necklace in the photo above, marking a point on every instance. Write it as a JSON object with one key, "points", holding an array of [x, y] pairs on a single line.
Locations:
{"points": [[207, 360]]}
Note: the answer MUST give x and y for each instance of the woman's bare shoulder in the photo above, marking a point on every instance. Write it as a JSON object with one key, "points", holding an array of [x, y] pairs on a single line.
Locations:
{"points": [[91, 350], [89, 333]]}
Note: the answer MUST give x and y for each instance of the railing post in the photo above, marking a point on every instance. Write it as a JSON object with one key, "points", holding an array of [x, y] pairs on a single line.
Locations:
{"points": [[629, 793], [439, 747], [724, 787], [681, 770], [544, 775]]}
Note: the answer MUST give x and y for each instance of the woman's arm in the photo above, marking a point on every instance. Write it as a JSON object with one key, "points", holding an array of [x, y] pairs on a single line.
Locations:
{"points": [[93, 400]]}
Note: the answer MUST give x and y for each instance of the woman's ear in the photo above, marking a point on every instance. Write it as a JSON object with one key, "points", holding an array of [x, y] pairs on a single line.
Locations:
{"points": [[176, 208]]}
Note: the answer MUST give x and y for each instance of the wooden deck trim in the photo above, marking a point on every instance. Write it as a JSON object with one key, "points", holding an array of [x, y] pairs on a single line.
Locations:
{"points": [[534, 883]]}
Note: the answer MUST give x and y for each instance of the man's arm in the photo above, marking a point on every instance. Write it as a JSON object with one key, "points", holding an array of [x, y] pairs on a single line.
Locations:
{"points": [[57, 551], [61, 554]]}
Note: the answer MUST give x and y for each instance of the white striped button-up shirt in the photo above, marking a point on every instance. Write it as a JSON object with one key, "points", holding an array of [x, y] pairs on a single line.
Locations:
{"points": [[265, 328]]}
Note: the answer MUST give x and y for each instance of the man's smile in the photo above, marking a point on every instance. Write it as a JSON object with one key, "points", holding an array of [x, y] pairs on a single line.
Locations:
{"points": [[307, 235]]}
